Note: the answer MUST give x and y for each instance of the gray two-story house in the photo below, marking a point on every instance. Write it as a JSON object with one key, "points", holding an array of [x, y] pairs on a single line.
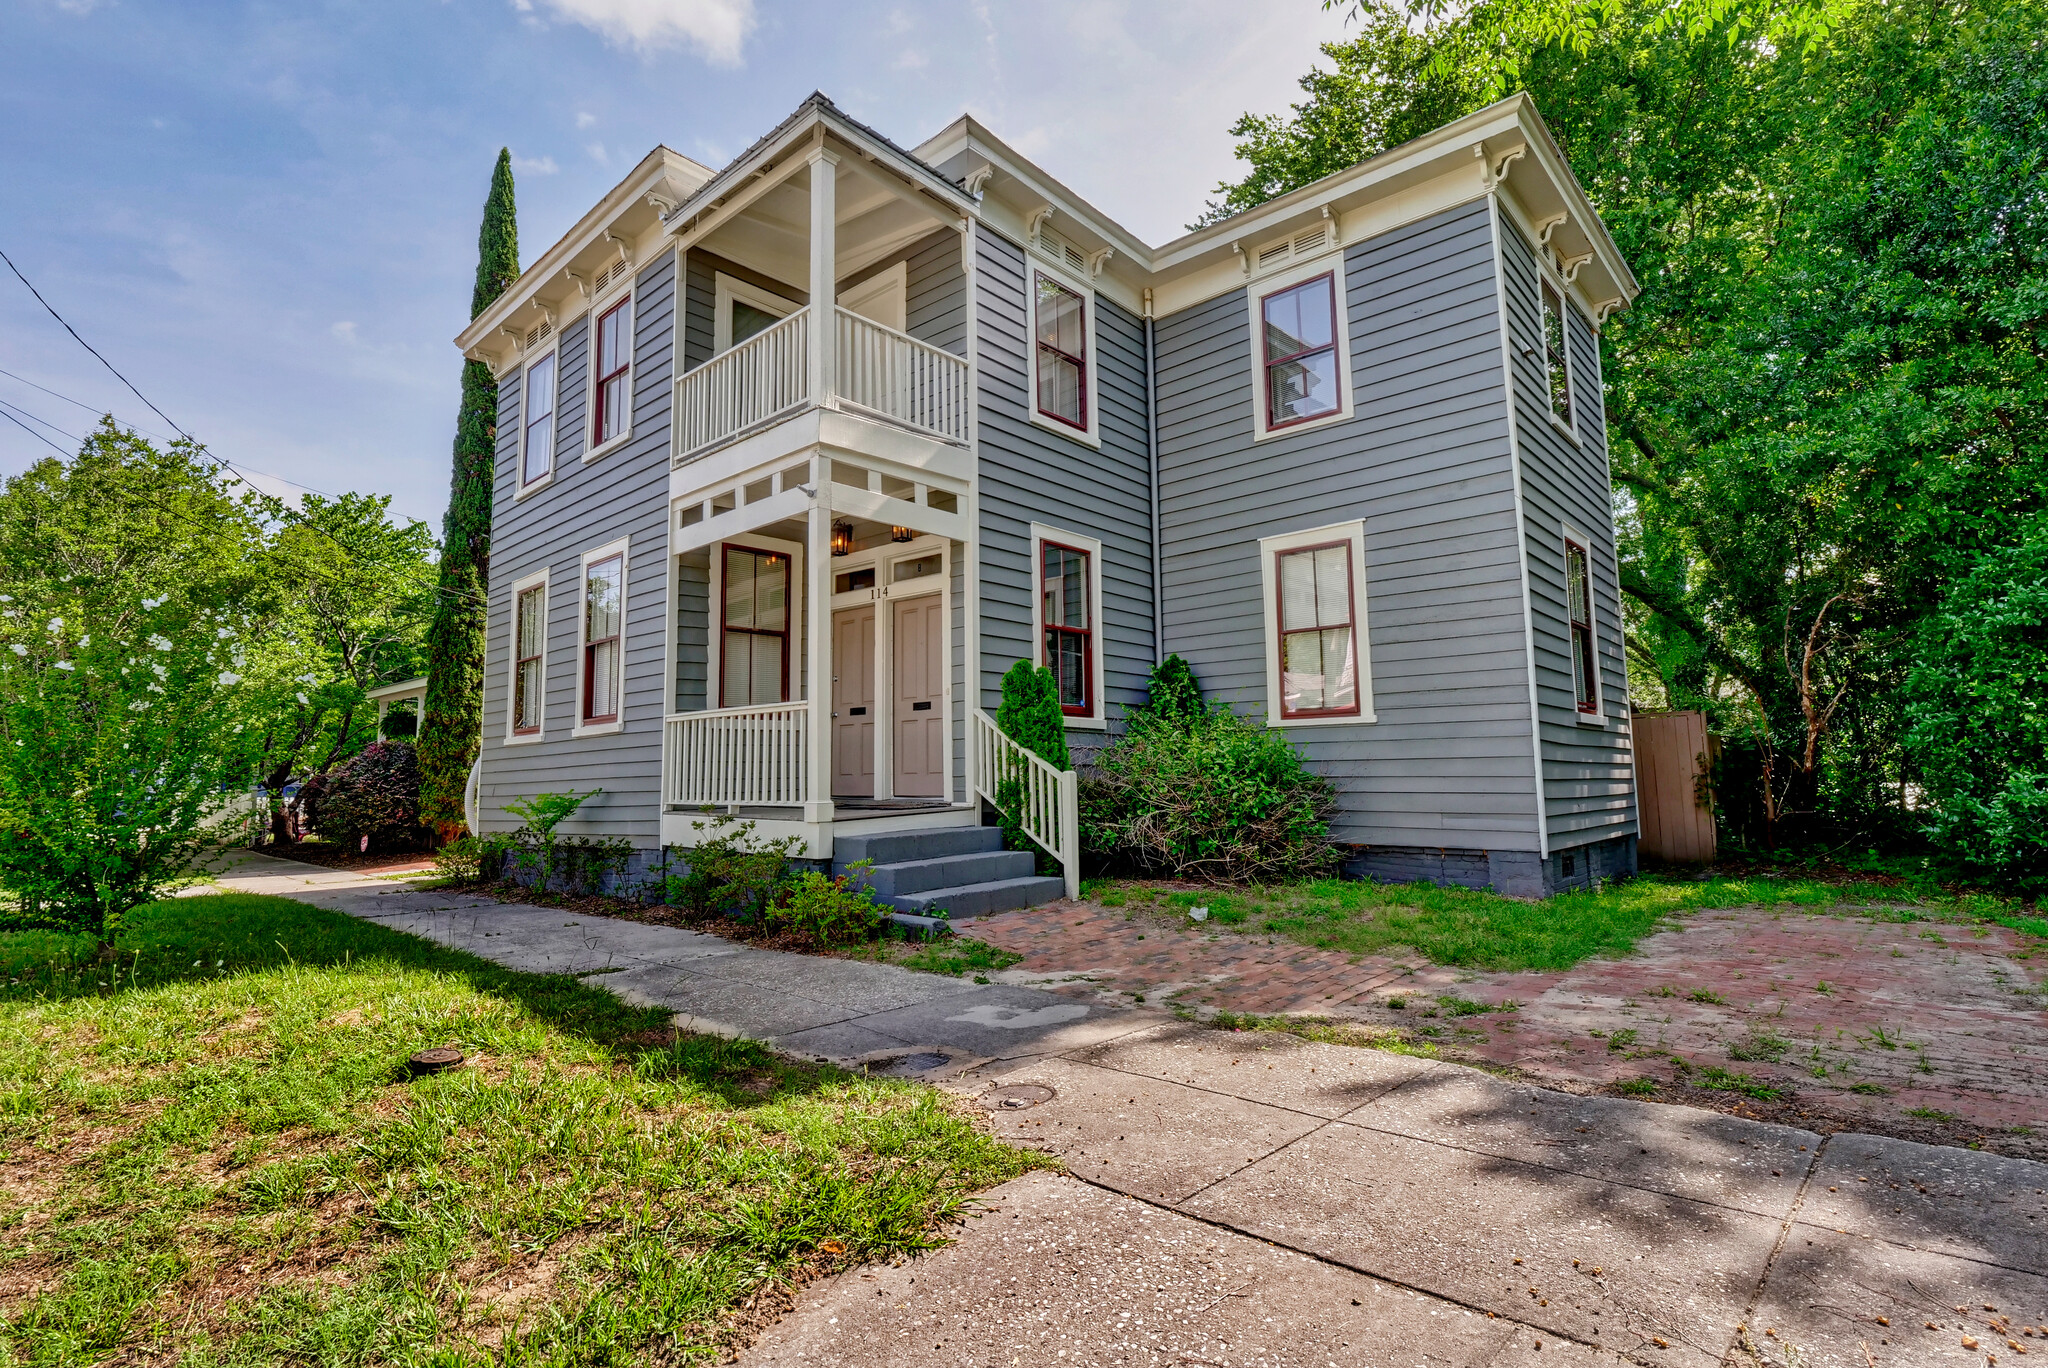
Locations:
{"points": [[797, 457]]}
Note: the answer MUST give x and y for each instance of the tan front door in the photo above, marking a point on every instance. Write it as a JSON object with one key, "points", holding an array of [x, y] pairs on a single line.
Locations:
{"points": [[920, 708], [853, 703]]}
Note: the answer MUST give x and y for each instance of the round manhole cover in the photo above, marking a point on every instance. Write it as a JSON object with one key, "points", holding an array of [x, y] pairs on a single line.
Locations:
{"points": [[1016, 1096], [912, 1064], [435, 1060]]}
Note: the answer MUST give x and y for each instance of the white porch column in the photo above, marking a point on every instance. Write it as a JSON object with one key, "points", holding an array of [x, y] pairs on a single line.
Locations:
{"points": [[818, 635], [824, 328]]}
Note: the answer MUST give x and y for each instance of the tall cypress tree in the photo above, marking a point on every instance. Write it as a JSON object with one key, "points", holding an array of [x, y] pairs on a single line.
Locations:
{"points": [[452, 726]]}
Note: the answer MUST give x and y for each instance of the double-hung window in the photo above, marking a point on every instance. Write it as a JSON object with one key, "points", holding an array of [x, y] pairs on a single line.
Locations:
{"points": [[754, 651], [1578, 586], [1556, 360], [1066, 615], [537, 452], [612, 345], [1303, 371], [1060, 326], [1317, 667], [529, 666], [604, 584]]}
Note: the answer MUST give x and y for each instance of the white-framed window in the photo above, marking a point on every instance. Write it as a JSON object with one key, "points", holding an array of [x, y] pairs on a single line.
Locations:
{"points": [[1557, 353], [1060, 342], [757, 593], [1318, 656], [739, 310], [601, 640], [526, 694], [1301, 347], [611, 375], [537, 423], [1580, 626], [1066, 619]]}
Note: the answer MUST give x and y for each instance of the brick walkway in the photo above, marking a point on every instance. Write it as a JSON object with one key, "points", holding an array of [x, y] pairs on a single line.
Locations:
{"points": [[1871, 1020]]}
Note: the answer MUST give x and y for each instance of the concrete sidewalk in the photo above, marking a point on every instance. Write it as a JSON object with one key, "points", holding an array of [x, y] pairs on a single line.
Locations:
{"points": [[1256, 1199]]}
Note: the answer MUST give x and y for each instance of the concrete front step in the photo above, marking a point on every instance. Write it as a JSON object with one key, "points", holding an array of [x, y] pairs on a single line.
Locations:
{"points": [[980, 899], [947, 871], [925, 843]]}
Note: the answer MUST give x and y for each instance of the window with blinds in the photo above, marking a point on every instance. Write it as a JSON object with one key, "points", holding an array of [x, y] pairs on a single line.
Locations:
{"points": [[529, 669], [603, 621], [1578, 584], [1318, 645]]}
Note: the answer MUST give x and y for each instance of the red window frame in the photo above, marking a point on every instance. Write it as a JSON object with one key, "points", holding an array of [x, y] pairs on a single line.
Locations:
{"points": [[521, 692], [1266, 369], [605, 417], [1578, 593], [1048, 631], [1080, 362], [788, 611], [1281, 628], [529, 418], [591, 644]]}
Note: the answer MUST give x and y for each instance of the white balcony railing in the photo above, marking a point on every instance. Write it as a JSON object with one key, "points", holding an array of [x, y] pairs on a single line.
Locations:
{"points": [[768, 376], [737, 756], [900, 377], [1044, 801], [764, 376]]}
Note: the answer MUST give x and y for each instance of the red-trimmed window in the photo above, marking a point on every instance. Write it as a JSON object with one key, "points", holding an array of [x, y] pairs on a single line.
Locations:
{"points": [[1302, 380], [1061, 324], [603, 615], [1318, 640], [614, 360], [1066, 602], [754, 651], [1556, 362], [1578, 584], [538, 455], [529, 671]]}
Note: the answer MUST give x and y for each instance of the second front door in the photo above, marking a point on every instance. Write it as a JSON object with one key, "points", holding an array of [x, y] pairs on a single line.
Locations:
{"points": [[918, 681], [853, 703]]}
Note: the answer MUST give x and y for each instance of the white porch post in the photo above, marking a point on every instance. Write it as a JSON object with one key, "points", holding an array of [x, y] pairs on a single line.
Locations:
{"points": [[824, 330], [818, 632]]}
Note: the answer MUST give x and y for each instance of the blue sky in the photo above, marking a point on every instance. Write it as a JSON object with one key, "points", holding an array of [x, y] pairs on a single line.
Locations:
{"points": [[265, 213]]}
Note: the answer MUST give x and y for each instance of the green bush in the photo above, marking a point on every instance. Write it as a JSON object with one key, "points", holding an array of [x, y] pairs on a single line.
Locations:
{"points": [[1978, 708], [1215, 798], [534, 847], [731, 872], [1029, 715], [1175, 695], [829, 911], [375, 795]]}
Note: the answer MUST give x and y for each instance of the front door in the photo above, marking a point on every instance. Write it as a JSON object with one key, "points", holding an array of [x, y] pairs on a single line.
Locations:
{"points": [[853, 703], [919, 713]]}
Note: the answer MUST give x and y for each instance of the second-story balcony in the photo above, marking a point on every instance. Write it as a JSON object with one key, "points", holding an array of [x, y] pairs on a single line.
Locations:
{"points": [[786, 368]]}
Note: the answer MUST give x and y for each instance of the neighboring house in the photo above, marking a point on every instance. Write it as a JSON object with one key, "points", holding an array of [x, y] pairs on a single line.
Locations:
{"points": [[796, 458]]}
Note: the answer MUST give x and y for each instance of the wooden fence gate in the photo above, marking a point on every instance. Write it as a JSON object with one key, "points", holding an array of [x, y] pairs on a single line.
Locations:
{"points": [[1674, 755]]}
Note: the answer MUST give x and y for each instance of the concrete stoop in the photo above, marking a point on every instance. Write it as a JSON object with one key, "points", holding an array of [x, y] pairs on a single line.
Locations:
{"points": [[955, 873]]}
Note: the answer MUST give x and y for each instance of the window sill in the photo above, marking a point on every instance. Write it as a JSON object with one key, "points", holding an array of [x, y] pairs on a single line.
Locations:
{"points": [[599, 452], [531, 739], [597, 729], [533, 488], [1562, 426], [1351, 721], [1088, 723], [1592, 719], [1089, 437], [1261, 433]]}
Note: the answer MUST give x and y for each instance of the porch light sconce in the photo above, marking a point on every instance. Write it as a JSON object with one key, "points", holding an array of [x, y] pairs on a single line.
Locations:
{"points": [[900, 534], [842, 538]]}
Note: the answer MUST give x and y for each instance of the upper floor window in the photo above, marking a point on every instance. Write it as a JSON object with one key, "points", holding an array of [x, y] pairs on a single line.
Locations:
{"points": [[1556, 358], [754, 653], [1578, 585], [1302, 367], [1066, 615], [612, 364], [537, 450], [529, 666], [604, 583], [1060, 326]]}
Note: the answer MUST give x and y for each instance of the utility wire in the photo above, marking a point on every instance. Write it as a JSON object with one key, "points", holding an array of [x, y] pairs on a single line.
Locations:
{"points": [[89, 347], [40, 422], [33, 433]]}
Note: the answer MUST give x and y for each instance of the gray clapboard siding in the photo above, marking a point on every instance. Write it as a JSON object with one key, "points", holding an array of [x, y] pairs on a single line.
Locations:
{"points": [[1426, 463], [1588, 774], [623, 493], [1029, 474]]}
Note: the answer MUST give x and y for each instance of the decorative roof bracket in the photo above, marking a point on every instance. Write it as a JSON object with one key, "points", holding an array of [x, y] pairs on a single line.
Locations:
{"points": [[1571, 267], [1098, 260], [1548, 226]]}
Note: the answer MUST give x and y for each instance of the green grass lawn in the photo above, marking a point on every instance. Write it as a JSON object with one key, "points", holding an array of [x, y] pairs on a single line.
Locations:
{"points": [[1470, 929], [210, 1155]]}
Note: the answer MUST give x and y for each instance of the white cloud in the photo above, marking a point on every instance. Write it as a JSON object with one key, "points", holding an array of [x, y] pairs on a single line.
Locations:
{"points": [[344, 331], [714, 29], [584, 118], [535, 166], [912, 60], [79, 7], [598, 154]]}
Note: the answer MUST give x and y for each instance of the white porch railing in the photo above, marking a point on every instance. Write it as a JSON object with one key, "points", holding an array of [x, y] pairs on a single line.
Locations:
{"points": [[741, 756], [1049, 799], [896, 375], [766, 375]]}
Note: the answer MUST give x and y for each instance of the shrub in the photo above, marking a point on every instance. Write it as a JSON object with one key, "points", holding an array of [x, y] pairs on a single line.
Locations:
{"points": [[1217, 799], [375, 795], [536, 848], [731, 871], [1175, 695], [829, 911], [462, 859], [1029, 715]]}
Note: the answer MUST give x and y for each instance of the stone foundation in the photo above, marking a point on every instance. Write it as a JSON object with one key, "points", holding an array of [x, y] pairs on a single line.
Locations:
{"points": [[1517, 873]]}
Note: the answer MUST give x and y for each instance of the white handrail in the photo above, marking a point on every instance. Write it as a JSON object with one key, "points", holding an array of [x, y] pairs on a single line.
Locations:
{"points": [[736, 756], [766, 375], [1048, 800], [895, 374]]}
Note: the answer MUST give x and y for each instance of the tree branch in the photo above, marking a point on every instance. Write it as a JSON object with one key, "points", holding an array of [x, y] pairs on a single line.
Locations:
{"points": [[1674, 611]]}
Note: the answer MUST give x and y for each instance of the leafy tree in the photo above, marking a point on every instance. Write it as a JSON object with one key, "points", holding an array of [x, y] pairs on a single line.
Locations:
{"points": [[1174, 695], [451, 727], [1029, 715], [373, 801], [127, 577]]}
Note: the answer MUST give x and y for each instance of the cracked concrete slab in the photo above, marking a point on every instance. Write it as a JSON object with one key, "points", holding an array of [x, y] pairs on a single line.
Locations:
{"points": [[1952, 1201], [1259, 1066], [1001, 1022]]}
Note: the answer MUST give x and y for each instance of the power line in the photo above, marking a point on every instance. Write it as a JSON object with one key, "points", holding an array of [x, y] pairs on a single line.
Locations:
{"points": [[33, 433], [89, 347], [44, 422]]}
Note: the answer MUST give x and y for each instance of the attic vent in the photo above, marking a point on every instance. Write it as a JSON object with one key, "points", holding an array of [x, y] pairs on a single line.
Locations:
{"points": [[537, 334], [614, 272], [1304, 244], [1059, 249]]}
